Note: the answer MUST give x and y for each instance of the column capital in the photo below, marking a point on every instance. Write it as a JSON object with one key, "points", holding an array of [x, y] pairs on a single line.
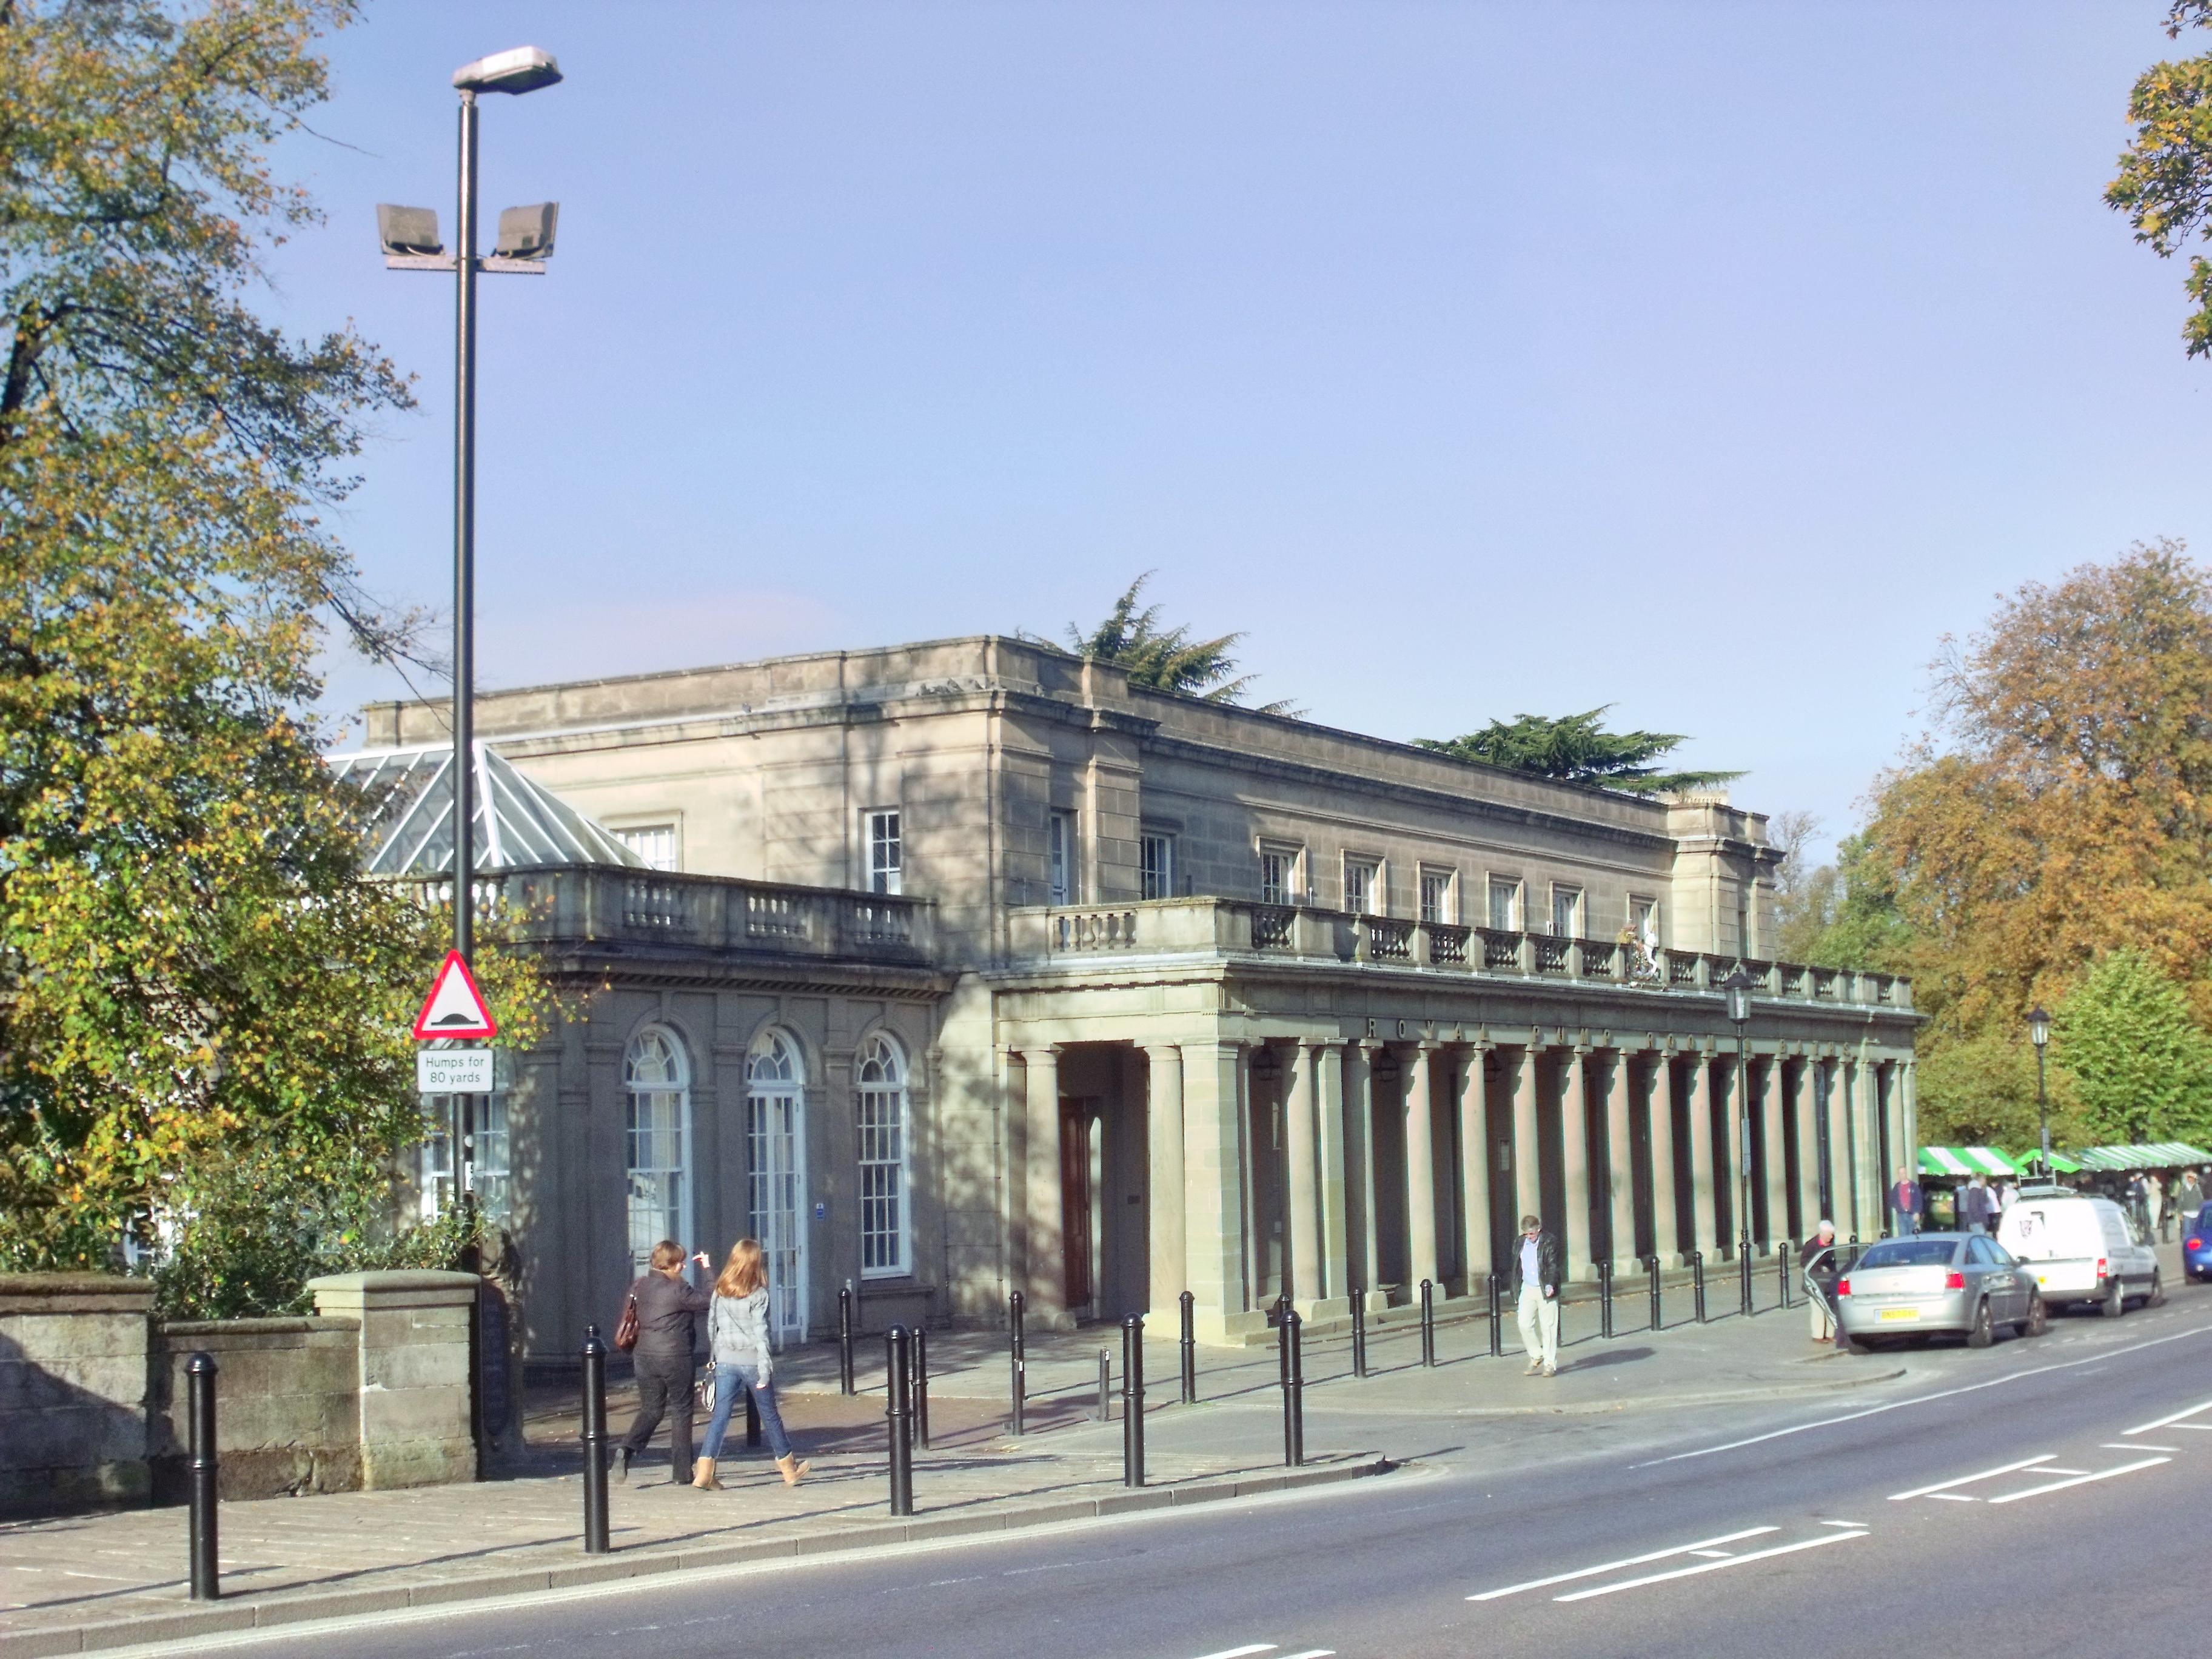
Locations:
{"points": [[1310, 1043], [1026, 1049]]}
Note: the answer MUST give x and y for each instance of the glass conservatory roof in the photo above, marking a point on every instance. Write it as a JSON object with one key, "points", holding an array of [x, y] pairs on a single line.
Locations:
{"points": [[518, 822]]}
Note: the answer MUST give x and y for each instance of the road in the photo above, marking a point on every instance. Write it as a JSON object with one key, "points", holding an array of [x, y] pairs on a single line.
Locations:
{"points": [[2026, 1495]]}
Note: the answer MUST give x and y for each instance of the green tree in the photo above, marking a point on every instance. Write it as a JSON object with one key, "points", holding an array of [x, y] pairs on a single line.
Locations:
{"points": [[1578, 748], [2140, 1065], [1844, 915], [197, 987], [2165, 181], [1161, 658]]}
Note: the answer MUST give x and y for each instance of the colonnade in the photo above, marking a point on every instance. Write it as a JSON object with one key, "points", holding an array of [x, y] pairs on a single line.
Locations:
{"points": [[1322, 1166]]}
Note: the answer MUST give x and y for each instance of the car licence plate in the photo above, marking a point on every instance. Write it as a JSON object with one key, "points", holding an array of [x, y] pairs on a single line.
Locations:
{"points": [[1888, 1315]]}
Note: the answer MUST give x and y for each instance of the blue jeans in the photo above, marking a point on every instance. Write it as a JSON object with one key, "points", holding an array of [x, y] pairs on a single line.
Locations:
{"points": [[728, 1379], [1907, 1224]]}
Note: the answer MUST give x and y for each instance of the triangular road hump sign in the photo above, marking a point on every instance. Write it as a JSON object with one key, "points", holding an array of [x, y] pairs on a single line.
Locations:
{"points": [[454, 1008]]}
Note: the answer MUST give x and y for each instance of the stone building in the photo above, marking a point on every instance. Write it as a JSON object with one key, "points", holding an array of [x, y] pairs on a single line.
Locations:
{"points": [[965, 967]]}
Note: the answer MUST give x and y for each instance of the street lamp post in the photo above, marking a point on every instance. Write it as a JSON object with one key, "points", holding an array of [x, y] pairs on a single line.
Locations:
{"points": [[409, 237], [2038, 1033], [411, 242], [1737, 985]]}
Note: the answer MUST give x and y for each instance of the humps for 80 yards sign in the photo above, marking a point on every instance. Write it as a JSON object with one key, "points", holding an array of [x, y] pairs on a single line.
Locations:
{"points": [[454, 1008]]}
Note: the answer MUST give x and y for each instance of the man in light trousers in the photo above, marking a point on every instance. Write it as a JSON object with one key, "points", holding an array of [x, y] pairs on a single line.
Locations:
{"points": [[1537, 1272]]}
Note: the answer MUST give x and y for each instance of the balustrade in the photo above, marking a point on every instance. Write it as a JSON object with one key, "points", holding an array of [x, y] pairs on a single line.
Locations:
{"points": [[1598, 958], [1389, 940], [1501, 950], [1551, 953], [1447, 945], [1272, 925]]}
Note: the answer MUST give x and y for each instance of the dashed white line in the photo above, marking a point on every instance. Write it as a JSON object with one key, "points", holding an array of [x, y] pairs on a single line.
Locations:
{"points": [[1712, 1566], [1243, 1652], [1843, 1523], [2082, 1480], [2134, 1445], [1614, 1566], [1969, 1480]]}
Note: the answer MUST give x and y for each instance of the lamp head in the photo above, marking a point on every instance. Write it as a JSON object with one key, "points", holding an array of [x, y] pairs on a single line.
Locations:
{"points": [[2038, 1025], [405, 230], [1738, 986], [527, 233], [525, 69]]}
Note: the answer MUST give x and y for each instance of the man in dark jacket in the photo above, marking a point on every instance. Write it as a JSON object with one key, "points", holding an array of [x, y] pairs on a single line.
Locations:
{"points": [[1537, 1274], [1904, 1203], [666, 1307]]}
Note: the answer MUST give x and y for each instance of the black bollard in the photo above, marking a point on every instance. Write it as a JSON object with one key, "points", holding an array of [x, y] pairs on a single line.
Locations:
{"points": [[1428, 1323], [595, 1441], [1358, 1332], [1781, 1274], [1294, 1383], [1605, 1299], [897, 1412], [1133, 1402], [1656, 1320], [199, 1373], [1743, 1272], [1105, 1386], [845, 1340], [1497, 1316], [921, 1387], [1188, 1305], [752, 1422], [1697, 1283], [1019, 1383]]}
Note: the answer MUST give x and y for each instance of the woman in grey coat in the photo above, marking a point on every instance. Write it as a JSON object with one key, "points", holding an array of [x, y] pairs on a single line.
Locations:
{"points": [[736, 1334]]}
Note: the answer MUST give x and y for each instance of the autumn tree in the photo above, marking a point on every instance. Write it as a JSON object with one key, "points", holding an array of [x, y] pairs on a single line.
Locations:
{"points": [[2165, 181], [2060, 810], [203, 1002], [1578, 748]]}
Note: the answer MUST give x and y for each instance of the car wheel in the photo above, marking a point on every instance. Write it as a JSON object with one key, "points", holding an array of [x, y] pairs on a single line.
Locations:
{"points": [[1985, 1331], [2037, 1322], [2157, 1297], [2116, 1299]]}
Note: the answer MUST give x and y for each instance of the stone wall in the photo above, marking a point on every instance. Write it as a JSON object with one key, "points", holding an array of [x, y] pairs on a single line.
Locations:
{"points": [[73, 1387], [285, 1416]]}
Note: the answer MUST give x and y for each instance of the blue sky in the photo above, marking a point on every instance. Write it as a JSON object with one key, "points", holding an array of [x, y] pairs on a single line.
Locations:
{"points": [[1712, 361]]}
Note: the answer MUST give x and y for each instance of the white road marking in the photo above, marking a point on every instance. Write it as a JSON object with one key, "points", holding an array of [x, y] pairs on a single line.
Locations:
{"points": [[1628, 1561], [1241, 1653], [1313, 1653], [1842, 1523], [2082, 1480], [2134, 1445], [1969, 1480], [1719, 1555], [1712, 1566], [1057, 1567], [1952, 1497], [1928, 1398], [2053, 1468], [2145, 1428], [2202, 1428]]}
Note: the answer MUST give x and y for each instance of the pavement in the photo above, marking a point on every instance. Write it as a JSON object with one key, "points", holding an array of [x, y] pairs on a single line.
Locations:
{"points": [[109, 1581]]}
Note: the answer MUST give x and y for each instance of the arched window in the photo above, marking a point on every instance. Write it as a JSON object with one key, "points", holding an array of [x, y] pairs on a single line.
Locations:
{"points": [[657, 1147], [775, 1145], [879, 1083]]}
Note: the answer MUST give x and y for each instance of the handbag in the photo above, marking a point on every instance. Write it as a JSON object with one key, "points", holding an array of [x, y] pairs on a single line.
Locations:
{"points": [[704, 1388], [626, 1331]]}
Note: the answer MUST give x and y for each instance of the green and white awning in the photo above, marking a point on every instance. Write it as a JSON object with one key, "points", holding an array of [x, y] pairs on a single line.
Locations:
{"points": [[2157, 1155], [1964, 1163]]}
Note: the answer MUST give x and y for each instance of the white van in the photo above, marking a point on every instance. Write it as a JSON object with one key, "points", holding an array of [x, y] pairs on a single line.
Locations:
{"points": [[2081, 1249]]}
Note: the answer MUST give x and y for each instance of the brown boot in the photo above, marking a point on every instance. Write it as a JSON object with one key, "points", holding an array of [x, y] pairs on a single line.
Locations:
{"points": [[703, 1476], [793, 1470]]}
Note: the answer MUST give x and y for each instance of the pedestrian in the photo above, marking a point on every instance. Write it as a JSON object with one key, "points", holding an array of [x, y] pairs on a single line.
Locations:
{"points": [[1904, 1203], [2139, 1199], [2191, 1195], [1974, 1206], [737, 1336], [2005, 1192], [1536, 1277], [1817, 1260], [666, 1310]]}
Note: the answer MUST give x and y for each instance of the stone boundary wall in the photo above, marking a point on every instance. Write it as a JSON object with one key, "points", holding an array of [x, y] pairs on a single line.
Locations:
{"points": [[371, 1392]]}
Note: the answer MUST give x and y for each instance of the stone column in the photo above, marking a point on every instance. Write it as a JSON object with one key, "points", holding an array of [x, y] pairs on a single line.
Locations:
{"points": [[1833, 1084], [1666, 1232], [74, 1370], [414, 1381], [1359, 1104], [1474, 1171], [1574, 1165], [1213, 1199], [1302, 1154], [1528, 1154], [1163, 1136], [1619, 1169], [1908, 1145], [1420, 1170], [1772, 1109], [1707, 1220], [1044, 1256], [1808, 1148], [1327, 1060]]}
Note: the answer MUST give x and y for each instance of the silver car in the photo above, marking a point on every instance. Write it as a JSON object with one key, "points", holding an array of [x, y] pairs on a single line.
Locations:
{"points": [[1938, 1282]]}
